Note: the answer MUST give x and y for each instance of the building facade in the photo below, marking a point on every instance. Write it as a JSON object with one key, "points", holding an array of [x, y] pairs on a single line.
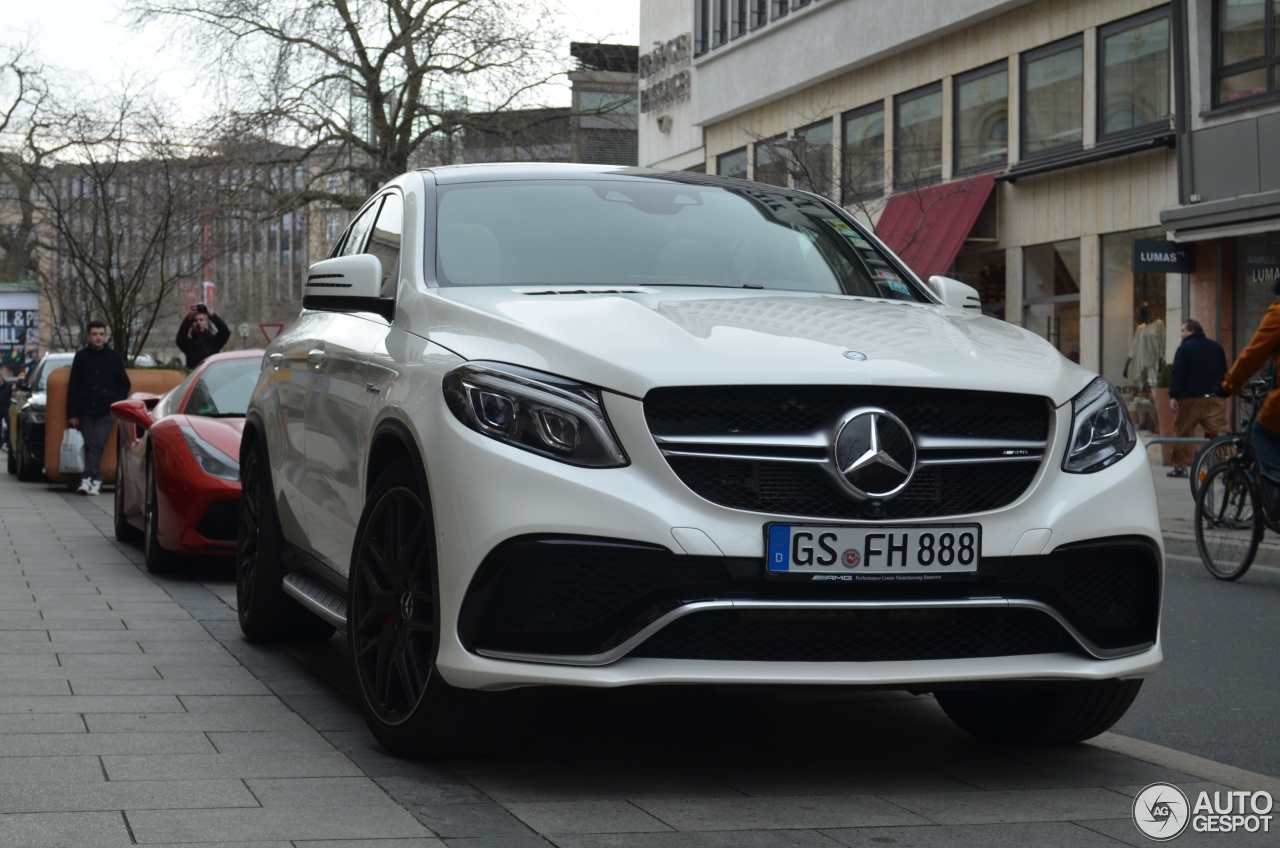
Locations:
{"points": [[1025, 147]]}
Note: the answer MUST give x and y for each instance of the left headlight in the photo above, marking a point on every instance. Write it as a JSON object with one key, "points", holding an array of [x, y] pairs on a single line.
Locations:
{"points": [[1101, 430], [540, 413], [212, 461]]}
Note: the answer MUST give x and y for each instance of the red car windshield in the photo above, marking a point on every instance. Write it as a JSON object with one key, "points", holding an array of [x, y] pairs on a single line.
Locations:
{"points": [[224, 388]]}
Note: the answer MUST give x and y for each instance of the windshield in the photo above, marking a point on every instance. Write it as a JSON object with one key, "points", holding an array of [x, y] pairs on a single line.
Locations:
{"points": [[654, 233], [224, 388], [47, 367]]}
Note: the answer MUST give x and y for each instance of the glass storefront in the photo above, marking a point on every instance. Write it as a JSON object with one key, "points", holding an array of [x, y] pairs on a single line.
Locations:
{"points": [[1257, 269], [1051, 294], [1134, 335], [985, 272]]}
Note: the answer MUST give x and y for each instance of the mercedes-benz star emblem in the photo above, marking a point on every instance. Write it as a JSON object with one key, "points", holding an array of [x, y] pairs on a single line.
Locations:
{"points": [[875, 454]]}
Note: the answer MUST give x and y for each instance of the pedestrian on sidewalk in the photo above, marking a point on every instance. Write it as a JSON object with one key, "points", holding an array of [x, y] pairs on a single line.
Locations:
{"points": [[197, 339], [1265, 345], [98, 379], [1194, 390]]}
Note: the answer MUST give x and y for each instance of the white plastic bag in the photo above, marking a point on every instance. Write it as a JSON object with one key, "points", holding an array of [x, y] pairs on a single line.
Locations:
{"points": [[71, 454]]}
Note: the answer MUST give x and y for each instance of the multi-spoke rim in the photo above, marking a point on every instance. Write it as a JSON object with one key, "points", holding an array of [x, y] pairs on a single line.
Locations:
{"points": [[247, 537], [149, 509], [393, 606]]}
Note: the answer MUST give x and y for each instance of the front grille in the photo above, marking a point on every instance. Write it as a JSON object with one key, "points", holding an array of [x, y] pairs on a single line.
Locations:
{"points": [[583, 597], [798, 489], [768, 449], [218, 524], [716, 410], [857, 635]]}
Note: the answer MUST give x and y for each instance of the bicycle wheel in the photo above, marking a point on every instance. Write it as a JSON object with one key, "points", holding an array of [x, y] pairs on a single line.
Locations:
{"points": [[1210, 454], [1228, 521]]}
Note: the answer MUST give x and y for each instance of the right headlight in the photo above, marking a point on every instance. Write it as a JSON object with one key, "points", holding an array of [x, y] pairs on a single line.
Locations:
{"points": [[1101, 431], [540, 413]]}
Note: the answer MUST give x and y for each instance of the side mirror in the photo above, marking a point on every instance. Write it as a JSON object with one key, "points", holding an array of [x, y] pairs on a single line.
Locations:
{"points": [[955, 293], [347, 284], [131, 411]]}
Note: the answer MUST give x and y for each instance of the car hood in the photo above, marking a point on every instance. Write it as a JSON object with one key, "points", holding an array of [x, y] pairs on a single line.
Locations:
{"points": [[630, 342]]}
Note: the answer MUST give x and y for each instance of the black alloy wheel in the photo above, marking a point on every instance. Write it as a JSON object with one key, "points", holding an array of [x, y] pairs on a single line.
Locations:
{"points": [[125, 532], [158, 560], [392, 613], [266, 613], [26, 467]]}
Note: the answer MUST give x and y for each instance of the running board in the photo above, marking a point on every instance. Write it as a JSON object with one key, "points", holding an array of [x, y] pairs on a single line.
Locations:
{"points": [[317, 598]]}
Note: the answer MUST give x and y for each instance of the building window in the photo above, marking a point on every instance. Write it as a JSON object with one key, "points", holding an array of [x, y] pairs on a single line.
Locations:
{"points": [[813, 158], [1053, 97], [738, 21], [1133, 75], [862, 158], [917, 128], [771, 161], [778, 8], [701, 26], [720, 26], [733, 164], [611, 102], [982, 119], [1246, 58], [759, 13], [1051, 294]]}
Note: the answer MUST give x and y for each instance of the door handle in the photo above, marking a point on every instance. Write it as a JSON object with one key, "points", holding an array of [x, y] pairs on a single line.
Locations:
{"points": [[315, 357], [275, 359]]}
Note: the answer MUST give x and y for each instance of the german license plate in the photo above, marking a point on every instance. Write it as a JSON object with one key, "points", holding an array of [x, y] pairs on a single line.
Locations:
{"points": [[874, 554]]}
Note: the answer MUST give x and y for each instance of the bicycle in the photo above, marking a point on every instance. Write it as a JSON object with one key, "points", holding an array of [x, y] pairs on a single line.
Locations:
{"points": [[1222, 447], [1235, 503]]}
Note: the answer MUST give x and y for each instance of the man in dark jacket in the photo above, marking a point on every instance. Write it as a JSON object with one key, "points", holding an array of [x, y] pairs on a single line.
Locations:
{"points": [[98, 379], [1198, 369], [197, 339]]}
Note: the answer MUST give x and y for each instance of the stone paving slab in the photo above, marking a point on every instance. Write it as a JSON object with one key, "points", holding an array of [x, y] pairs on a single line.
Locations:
{"points": [[284, 823], [42, 797], [64, 830]]}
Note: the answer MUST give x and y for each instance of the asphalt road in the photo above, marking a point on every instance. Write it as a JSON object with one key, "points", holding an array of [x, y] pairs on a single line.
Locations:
{"points": [[1218, 692]]}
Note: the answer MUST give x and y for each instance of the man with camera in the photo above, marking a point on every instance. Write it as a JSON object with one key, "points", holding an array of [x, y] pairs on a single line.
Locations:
{"points": [[197, 339]]}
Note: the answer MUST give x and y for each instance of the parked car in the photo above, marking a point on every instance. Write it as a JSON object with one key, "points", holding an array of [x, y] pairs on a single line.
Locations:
{"points": [[551, 425], [26, 417], [177, 467]]}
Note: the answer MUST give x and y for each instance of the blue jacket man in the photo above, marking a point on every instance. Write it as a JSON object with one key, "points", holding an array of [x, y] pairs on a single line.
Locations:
{"points": [[1198, 368]]}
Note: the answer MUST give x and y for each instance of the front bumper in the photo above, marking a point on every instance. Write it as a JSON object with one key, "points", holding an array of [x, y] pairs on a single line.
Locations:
{"points": [[1070, 584]]}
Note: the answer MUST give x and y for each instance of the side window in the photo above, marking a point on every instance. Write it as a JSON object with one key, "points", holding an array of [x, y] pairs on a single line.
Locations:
{"points": [[353, 244], [384, 242]]}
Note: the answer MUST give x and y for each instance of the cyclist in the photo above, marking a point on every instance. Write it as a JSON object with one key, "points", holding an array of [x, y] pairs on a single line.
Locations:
{"points": [[1265, 345]]}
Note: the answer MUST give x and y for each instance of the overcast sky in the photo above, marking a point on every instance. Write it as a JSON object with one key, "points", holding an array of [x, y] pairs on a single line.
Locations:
{"points": [[83, 36]]}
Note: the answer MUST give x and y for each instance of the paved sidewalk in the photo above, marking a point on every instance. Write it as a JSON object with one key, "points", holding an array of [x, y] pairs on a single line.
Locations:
{"points": [[131, 712]]}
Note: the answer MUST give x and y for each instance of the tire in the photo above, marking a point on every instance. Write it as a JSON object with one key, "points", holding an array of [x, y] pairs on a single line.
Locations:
{"points": [[125, 532], [392, 608], [1217, 450], [266, 613], [1061, 714], [158, 560], [1228, 521], [10, 458], [27, 469]]}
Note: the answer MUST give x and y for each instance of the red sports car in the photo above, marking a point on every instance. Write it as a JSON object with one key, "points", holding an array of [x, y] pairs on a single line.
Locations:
{"points": [[178, 469]]}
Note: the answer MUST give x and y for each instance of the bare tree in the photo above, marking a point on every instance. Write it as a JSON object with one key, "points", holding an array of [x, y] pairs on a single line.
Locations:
{"points": [[358, 87], [121, 211]]}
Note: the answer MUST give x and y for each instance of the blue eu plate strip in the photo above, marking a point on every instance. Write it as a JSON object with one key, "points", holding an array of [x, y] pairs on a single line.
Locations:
{"points": [[779, 548]]}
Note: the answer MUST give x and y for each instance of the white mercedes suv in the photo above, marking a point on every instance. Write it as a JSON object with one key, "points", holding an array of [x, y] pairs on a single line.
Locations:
{"points": [[585, 426]]}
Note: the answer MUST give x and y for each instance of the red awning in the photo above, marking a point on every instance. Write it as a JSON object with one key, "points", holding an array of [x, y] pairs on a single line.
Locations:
{"points": [[927, 227]]}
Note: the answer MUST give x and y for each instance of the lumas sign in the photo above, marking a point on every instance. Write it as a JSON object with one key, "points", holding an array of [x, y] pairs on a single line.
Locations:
{"points": [[1163, 257]]}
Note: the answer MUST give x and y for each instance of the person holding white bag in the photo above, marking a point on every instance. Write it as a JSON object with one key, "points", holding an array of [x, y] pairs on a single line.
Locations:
{"points": [[98, 379]]}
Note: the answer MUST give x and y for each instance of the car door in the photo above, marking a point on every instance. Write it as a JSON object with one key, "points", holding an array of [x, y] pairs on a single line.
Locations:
{"points": [[340, 405]]}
